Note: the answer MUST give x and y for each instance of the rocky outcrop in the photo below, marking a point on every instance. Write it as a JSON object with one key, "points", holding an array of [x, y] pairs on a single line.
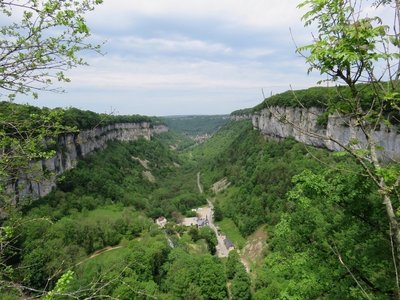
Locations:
{"points": [[73, 146], [302, 125]]}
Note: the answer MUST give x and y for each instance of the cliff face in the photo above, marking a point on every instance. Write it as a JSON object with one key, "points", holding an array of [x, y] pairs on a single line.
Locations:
{"points": [[73, 146], [301, 124]]}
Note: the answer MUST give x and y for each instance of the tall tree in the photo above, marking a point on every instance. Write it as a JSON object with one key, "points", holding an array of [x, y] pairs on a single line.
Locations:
{"points": [[39, 40], [353, 47]]}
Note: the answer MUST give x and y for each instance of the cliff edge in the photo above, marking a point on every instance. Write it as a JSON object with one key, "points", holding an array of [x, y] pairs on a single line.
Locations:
{"points": [[302, 125], [70, 148]]}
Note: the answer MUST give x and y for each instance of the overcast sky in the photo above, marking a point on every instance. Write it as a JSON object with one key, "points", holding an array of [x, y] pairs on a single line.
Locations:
{"points": [[171, 57]]}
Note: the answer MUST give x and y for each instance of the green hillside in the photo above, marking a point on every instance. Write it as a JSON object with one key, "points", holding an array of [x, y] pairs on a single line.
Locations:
{"points": [[193, 126]]}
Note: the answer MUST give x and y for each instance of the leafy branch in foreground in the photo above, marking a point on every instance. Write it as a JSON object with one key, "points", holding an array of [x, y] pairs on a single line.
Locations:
{"points": [[41, 41], [352, 47]]}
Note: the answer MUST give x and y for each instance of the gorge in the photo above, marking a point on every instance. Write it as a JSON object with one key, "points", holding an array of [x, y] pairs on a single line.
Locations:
{"points": [[73, 146]]}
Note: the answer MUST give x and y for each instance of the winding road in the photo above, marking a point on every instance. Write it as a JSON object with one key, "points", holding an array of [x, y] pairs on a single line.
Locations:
{"points": [[208, 213]]}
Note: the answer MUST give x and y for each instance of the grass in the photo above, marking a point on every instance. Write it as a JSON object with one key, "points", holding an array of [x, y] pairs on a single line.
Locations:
{"points": [[198, 248], [110, 211], [232, 232], [103, 258]]}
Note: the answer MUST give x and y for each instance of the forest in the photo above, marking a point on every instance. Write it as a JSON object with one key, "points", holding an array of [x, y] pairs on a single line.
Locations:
{"points": [[96, 231], [297, 222]]}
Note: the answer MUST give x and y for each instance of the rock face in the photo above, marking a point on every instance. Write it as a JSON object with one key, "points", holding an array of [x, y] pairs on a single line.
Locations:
{"points": [[74, 146], [301, 124]]}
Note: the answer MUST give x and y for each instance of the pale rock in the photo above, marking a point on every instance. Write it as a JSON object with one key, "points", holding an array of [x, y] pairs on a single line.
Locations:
{"points": [[301, 124], [72, 147]]}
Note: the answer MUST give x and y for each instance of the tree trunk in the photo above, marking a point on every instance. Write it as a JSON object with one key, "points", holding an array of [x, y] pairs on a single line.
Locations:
{"points": [[387, 201]]}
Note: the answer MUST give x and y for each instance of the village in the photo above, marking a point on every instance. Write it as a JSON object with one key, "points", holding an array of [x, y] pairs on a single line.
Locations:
{"points": [[204, 218]]}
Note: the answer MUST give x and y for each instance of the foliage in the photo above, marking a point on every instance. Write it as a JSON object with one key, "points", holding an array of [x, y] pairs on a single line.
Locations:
{"points": [[355, 45], [241, 284], [189, 277], [61, 285], [331, 242], [89, 120], [328, 98], [208, 235], [46, 248], [232, 264], [27, 133], [175, 140], [259, 170], [40, 40], [322, 217]]}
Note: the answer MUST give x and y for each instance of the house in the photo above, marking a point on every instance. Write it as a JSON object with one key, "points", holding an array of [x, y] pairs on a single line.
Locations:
{"points": [[228, 244], [161, 221]]}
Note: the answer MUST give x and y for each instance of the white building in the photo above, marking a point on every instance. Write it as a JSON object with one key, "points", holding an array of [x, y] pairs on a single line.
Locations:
{"points": [[161, 221]]}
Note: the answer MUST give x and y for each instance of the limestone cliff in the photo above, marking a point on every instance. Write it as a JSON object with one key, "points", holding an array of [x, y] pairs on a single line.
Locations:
{"points": [[73, 146], [301, 124]]}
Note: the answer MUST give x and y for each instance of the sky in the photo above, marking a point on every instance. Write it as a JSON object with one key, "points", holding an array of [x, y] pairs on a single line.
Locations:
{"points": [[181, 57]]}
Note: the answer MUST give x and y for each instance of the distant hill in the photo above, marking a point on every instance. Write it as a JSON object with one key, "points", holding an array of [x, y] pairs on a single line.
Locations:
{"points": [[196, 126]]}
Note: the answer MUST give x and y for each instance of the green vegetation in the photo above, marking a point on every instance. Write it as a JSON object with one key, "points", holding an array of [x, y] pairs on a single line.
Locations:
{"points": [[329, 98], [30, 133], [193, 126], [85, 119], [106, 205], [47, 38], [329, 236], [260, 172], [69, 117], [99, 223], [316, 215]]}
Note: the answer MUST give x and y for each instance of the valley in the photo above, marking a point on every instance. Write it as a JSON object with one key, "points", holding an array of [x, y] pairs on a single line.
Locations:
{"points": [[149, 213], [261, 198], [294, 196]]}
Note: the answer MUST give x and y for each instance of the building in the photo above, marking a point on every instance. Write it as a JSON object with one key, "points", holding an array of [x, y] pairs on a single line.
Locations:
{"points": [[228, 244], [161, 221]]}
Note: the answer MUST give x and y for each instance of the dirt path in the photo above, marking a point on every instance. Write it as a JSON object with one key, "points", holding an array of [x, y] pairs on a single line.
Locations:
{"points": [[199, 184], [99, 252]]}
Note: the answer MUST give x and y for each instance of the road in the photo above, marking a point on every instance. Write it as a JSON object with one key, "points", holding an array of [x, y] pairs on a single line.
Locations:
{"points": [[208, 213]]}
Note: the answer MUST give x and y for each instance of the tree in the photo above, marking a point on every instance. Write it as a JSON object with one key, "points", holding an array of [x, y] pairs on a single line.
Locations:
{"points": [[241, 285], [42, 44], [43, 39], [208, 235], [353, 47], [232, 264]]}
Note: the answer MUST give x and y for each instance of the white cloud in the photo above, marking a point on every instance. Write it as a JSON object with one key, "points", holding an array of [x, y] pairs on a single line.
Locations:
{"points": [[178, 44], [174, 70], [259, 14]]}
